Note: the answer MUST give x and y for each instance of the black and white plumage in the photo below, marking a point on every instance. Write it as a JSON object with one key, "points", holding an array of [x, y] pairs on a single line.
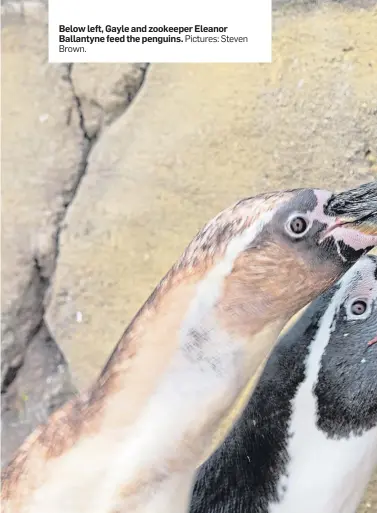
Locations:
{"points": [[307, 440]]}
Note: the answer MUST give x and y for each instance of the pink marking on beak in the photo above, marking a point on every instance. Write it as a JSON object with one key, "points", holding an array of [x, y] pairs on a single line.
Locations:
{"points": [[373, 341], [344, 230], [331, 228]]}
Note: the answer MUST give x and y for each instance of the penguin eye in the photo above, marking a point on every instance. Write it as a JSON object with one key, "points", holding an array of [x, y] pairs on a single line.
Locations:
{"points": [[297, 225], [358, 307]]}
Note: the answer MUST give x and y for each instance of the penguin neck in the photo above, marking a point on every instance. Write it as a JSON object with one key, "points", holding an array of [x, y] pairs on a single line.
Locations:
{"points": [[194, 345], [184, 378]]}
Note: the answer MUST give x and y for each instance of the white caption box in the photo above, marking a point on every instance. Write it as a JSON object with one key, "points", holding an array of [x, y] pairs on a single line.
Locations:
{"points": [[159, 31]]}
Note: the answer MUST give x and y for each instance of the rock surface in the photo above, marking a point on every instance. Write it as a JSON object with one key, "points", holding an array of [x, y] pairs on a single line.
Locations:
{"points": [[40, 161], [42, 146], [42, 385], [100, 199], [50, 126]]}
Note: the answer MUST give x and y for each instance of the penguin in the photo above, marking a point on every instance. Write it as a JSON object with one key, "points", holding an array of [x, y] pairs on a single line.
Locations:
{"points": [[307, 439], [132, 443]]}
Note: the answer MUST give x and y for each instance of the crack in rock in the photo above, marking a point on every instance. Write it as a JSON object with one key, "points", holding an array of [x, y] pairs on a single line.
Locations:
{"points": [[77, 101], [21, 370], [46, 249], [104, 91], [43, 384]]}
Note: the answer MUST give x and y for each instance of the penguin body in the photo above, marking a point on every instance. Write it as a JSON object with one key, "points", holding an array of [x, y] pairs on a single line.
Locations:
{"points": [[307, 440]]}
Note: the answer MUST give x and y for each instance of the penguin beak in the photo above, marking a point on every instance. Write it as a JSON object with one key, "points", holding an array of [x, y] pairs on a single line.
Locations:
{"points": [[355, 209], [373, 341], [364, 226]]}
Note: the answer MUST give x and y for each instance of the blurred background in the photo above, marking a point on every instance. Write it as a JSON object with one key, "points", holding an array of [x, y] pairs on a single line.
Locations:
{"points": [[108, 170]]}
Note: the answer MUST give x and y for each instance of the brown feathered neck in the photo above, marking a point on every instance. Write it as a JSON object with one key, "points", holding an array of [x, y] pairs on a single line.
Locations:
{"points": [[139, 360]]}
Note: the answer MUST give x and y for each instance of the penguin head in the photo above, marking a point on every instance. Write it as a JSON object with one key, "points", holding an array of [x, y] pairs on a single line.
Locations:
{"points": [[346, 386], [290, 247]]}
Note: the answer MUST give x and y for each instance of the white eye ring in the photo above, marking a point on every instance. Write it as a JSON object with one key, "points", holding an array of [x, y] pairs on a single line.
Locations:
{"points": [[297, 225], [355, 308]]}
